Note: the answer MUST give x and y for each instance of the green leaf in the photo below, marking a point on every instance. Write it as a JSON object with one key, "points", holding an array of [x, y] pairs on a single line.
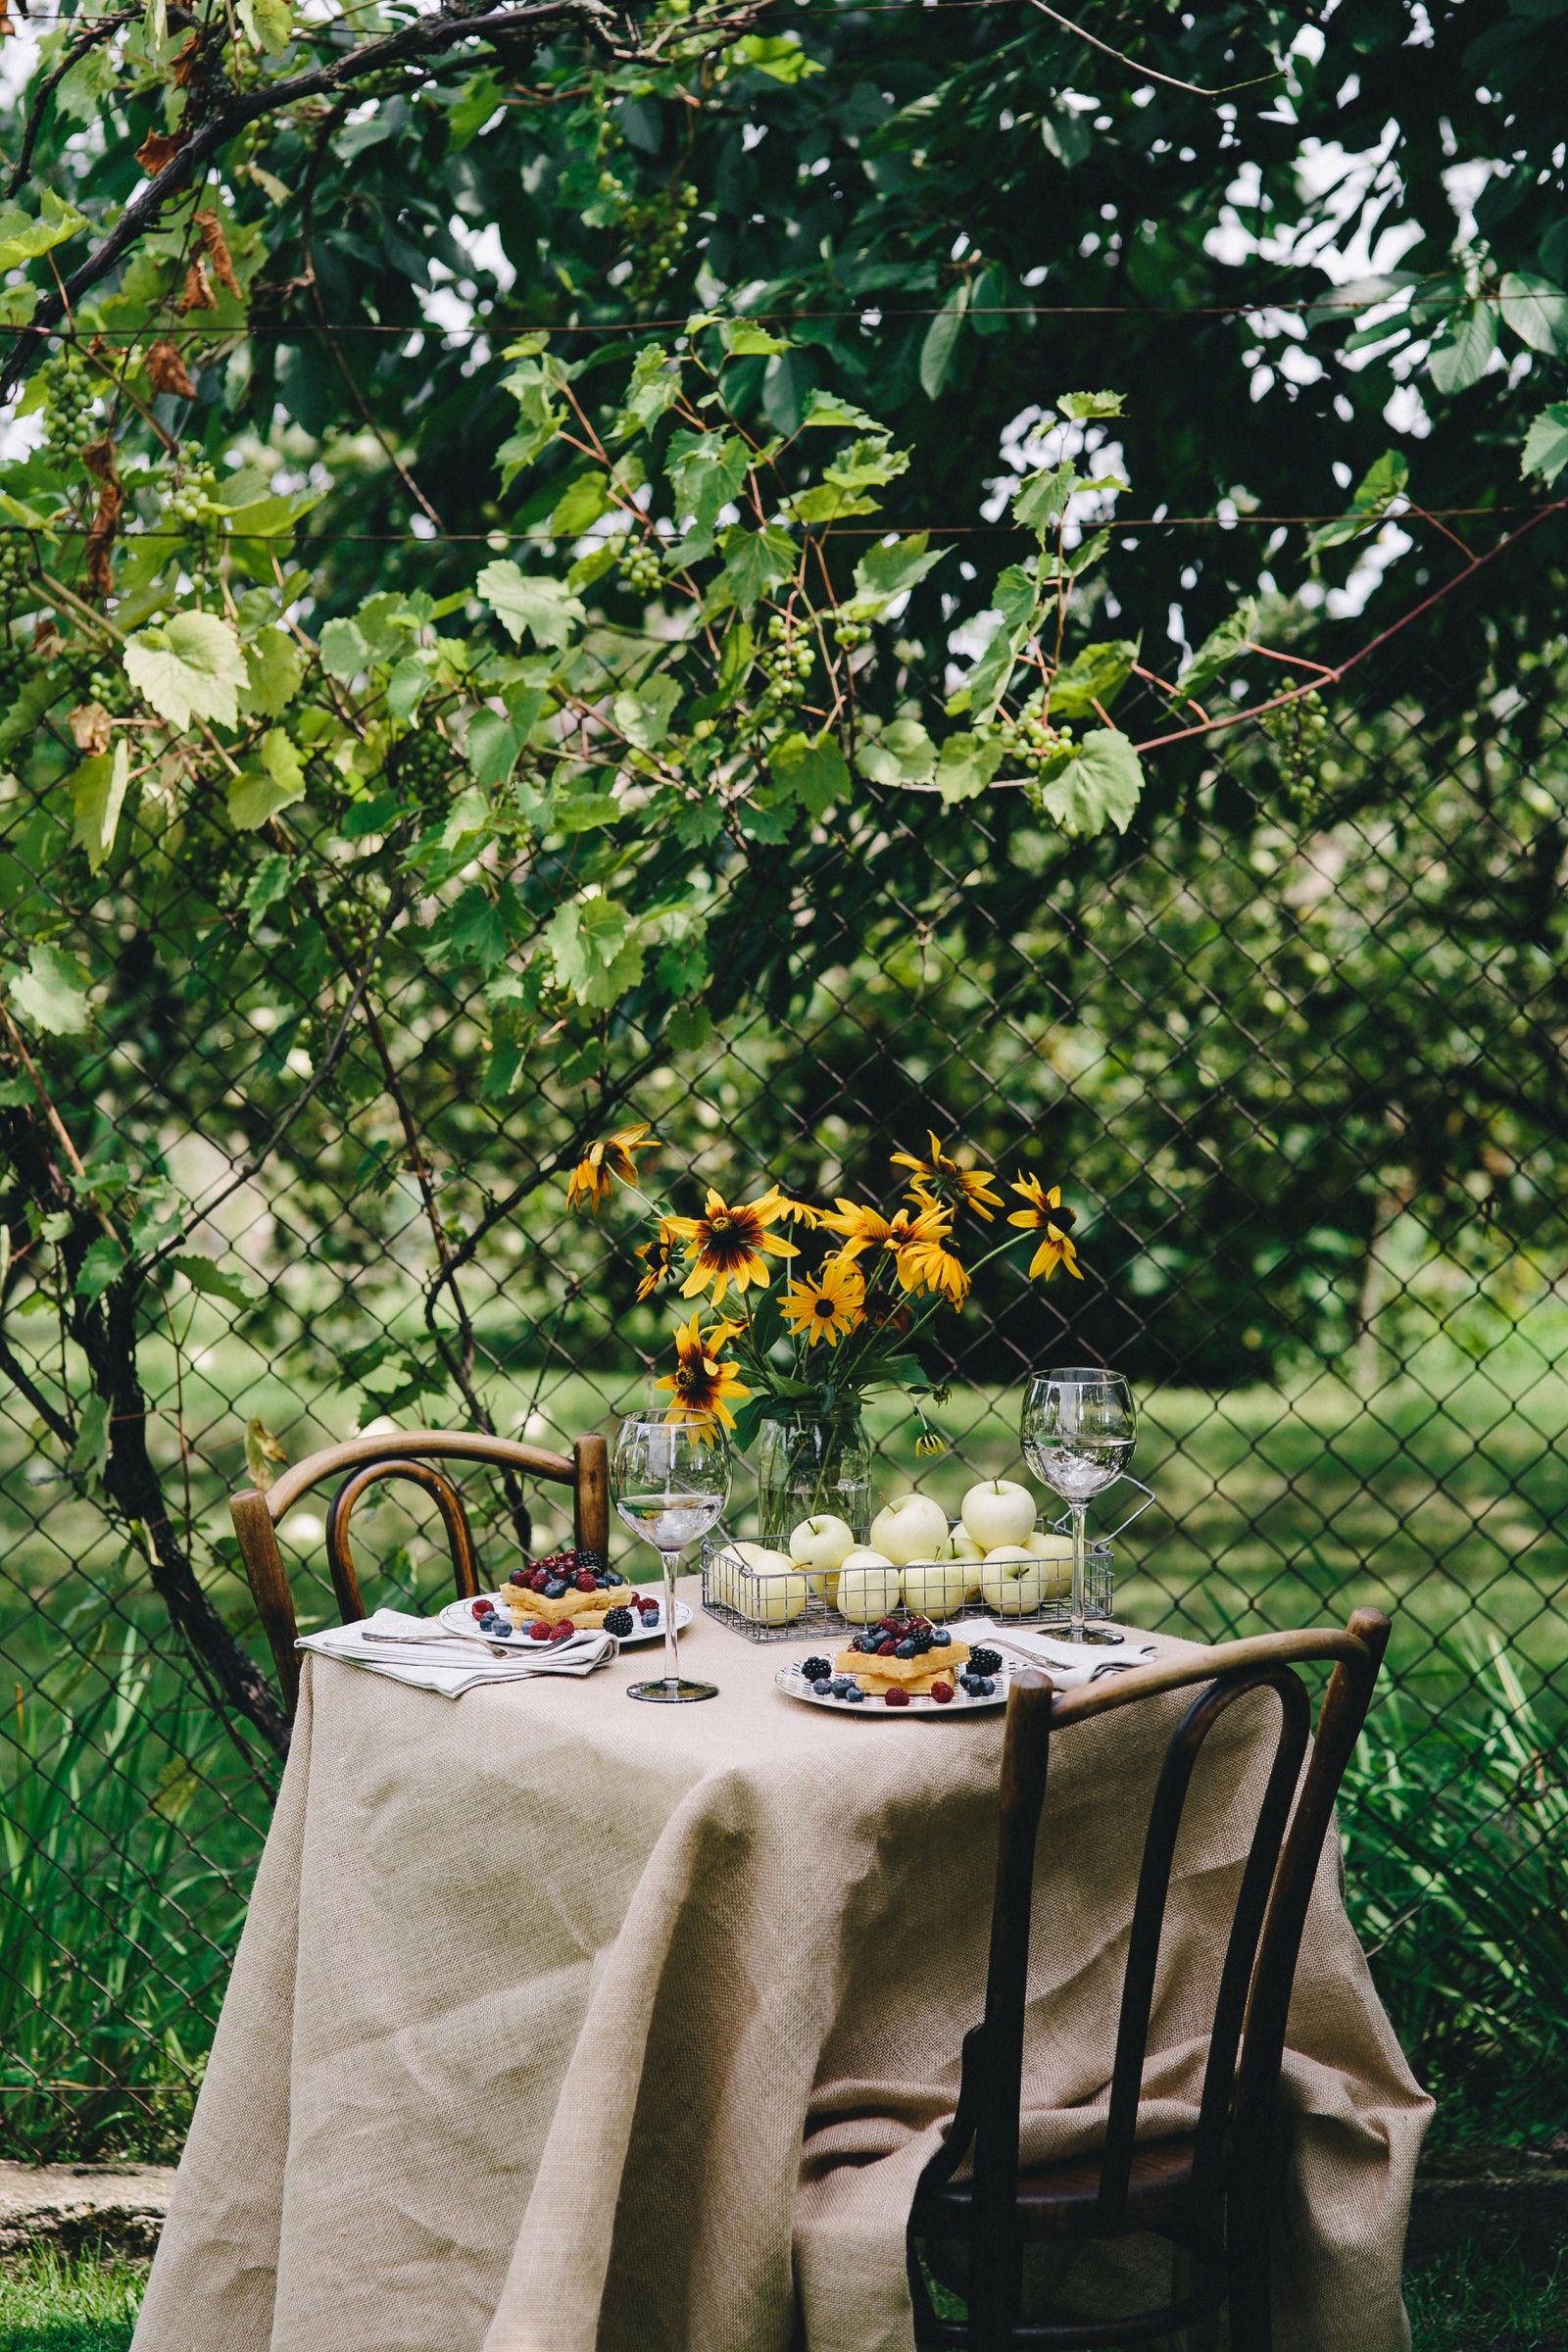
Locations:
{"points": [[579, 507], [494, 744], [189, 668], [475, 929], [52, 992], [1097, 674], [1067, 134], [1220, 649], [655, 387], [1080, 408], [1018, 603], [274, 666], [268, 23], [530, 602], [411, 681], [266, 885], [829, 501], [966, 765], [213, 1282], [1459, 359], [734, 662], [940, 348], [902, 754], [344, 652], [810, 770], [1374, 494], [92, 1450], [644, 717], [258, 795], [755, 562], [23, 238], [744, 339], [1535, 310], [780, 55], [1101, 785], [826, 407], [706, 472], [97, 796], [595, 951], [1043, 497], [1545, 450], [885, 573], [103, 1263]]}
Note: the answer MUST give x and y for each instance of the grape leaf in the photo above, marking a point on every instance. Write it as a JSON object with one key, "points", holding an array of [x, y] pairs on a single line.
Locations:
{"points": [[189, 668]]}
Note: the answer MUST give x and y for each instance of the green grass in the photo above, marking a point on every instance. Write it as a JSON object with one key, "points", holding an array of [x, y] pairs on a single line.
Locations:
{"points": [[51, 2302], [1478, 2299]]}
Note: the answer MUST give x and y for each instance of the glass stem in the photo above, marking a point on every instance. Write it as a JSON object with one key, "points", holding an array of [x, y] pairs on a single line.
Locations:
{"points": [[1076, 1628], [670, 1562]]}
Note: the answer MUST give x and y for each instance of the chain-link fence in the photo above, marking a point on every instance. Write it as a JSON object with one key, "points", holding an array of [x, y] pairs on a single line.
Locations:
{"points": [[1293, 1053]]}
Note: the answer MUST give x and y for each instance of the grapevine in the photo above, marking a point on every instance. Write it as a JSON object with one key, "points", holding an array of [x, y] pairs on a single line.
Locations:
{"points": [[1297, 730], [70, 407]]}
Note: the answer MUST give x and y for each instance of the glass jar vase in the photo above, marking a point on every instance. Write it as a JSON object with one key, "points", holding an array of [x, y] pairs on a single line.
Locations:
{"points": [[808, 1463]]}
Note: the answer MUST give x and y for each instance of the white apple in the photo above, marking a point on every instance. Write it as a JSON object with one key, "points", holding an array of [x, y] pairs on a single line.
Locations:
{"points": [[1054, 1551], [775, 1591], [868, 1587], [912, 1526], [822, 1545], [999, 1511], [1011, 1582], [961, 1545], [935, 1587]]}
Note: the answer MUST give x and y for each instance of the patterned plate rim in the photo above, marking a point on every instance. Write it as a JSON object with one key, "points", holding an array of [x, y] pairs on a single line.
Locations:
{"points": [[456, 1617], [789, 1679]]}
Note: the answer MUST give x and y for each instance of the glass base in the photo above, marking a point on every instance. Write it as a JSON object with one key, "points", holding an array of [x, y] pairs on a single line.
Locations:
{"points": [[1094, 1637], [667, 1693]]}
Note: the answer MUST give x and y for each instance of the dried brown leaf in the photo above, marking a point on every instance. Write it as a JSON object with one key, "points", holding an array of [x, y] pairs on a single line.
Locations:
{"points": [[159, 148], [166, 371], [90, 727], [198, 294], [185, 61], [215, 245]]}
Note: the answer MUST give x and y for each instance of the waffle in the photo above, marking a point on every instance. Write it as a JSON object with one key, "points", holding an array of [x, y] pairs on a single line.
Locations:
{"points": [[916, 1675], [588, 1609]]}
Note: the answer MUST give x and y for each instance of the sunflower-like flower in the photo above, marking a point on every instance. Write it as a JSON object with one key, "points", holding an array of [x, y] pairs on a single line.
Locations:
{"points": [[863, 1228], [930, 1265], [589, 1183], [701, 1383], [942, 1180], [929, 1444], [1045, 1216], [798, 1212], [728, 1245], [661, 1258], [829, 1305]]}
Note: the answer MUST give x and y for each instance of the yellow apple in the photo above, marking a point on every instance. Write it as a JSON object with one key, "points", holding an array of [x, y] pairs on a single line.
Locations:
{"points": [[935, 1587], [1054, 1551], [1010, 1583], [997, 1511], [961, 1545], [912, 1526], [821, 1544], [776, 1593], [868, 1587]]}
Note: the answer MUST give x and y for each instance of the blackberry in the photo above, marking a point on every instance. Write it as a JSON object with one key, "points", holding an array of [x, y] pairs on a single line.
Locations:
{"points": [[816, 1670], [618, 1622], [591, 1559], [985, 1661]]}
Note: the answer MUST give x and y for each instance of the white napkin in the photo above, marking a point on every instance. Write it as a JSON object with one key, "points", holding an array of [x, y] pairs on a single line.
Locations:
{"points": [[1068, 1663], [420, 1652]]}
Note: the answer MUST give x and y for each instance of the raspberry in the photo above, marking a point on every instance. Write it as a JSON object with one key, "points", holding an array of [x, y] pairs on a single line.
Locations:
{"points": [[897, 1698], [941, 1693], [563, 1630], [888, 1649], [480, 1608], [538, 1630], [518, 1576], [538, 1580], [584, 1581]]}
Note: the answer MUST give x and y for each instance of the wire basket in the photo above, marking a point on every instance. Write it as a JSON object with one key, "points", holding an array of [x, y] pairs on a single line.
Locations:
{"points": [[778, 1604]]}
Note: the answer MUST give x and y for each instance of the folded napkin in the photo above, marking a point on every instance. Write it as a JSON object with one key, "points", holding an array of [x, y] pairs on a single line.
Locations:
{"points": [[419, 1650], [1068, 1663]]}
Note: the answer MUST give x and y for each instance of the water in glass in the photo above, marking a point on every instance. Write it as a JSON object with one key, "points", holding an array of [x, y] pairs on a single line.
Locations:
{"points": [[1078, 1428], [671, 1481]]}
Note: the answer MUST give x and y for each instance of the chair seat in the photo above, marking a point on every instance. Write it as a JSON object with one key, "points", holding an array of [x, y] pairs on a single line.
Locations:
{"points": [[1061, 2199]]}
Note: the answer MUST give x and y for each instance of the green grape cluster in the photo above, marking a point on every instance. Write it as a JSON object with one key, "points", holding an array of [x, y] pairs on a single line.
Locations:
{"points": [[850, 635], [15, 568], [1297, 730], [658, 227], [70, 406], [786, 662], [193, 500], [419, 767], [110, 688], [1030, 741], [641, 572]]}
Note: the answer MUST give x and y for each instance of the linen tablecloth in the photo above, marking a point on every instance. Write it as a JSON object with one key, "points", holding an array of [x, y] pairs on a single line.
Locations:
{"points": [[563, 2023]]}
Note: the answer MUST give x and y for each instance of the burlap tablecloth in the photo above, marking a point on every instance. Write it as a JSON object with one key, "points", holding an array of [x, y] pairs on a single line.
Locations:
{"points": [[542, 1991]]}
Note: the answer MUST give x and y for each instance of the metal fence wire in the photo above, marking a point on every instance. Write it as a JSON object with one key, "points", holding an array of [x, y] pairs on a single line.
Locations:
{"points": [[1294, 1051]]}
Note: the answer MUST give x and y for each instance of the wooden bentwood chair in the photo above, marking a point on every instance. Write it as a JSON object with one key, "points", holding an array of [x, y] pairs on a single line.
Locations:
{"points": [[1207, 2193], [404, 1455]]}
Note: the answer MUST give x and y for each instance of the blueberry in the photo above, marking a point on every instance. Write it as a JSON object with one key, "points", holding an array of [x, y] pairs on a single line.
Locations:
{"points": [[941, 1640], [554, 1589], [855, 1692], [985, 1688], [600, 1584], [904, 1650], [613, 1576]]}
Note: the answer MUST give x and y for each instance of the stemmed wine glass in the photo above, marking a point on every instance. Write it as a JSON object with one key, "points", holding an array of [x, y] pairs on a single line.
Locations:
{"points": [[670, 1480], [1078, 1426]]}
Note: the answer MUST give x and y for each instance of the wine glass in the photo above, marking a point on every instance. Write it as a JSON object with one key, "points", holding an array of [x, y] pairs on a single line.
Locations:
{"points": [[1078, 1426], [670, 1480]]}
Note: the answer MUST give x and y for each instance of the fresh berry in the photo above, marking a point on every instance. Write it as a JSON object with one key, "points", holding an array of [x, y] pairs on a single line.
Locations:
{"points": [[584, 1581], [538, 1580], [649, 1612], [591, 1559], [563, 1630], [620, 1621], [600, 1584], [538, 1630], [890, 1624], [941, 1640], [941, 1693], [816, 1670], [903, 1650], [896, 1697], [482, 1609], [985, 1661], [613, 1576], [518, 1576], [556, 1587], [887, 1649], [922, 1642], [985, 1688], [636, 1601]]}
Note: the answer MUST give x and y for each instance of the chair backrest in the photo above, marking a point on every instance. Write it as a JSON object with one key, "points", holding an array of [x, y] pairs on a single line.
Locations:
{"points": [[1237, 2110], [407, 1454]]}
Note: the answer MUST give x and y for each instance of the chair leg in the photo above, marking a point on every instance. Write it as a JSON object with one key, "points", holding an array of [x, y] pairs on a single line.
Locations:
{"points": [[1251, 2295]]}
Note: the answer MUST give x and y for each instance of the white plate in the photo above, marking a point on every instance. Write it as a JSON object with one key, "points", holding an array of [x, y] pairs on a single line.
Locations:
{"points": [[457, 1617], [793, 1685]]}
